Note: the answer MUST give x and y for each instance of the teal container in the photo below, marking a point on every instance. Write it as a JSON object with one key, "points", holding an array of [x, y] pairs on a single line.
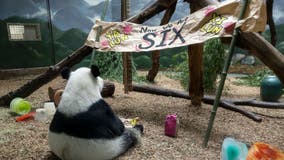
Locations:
{"points": [[270, 88], [233, 150]]}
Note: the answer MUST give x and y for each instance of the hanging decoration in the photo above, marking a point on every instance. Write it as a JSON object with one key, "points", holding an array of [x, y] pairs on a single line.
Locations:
{"points": [[209, 22]]}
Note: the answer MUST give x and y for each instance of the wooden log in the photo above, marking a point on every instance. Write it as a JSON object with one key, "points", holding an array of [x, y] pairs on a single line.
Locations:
{"points": [[127, 72], [265, 52], [232, 107], [198, 4], [159, 91], [156, 54], [206, 99], [53, 89], [195, 65], [259, 104], [155, 57], [146, 14], [72, 59], [270, 22], [195, 62], [108, 89], [47, 76], [230, 104], [126, 57], [195, 5], [151, 11], [268, 55]]}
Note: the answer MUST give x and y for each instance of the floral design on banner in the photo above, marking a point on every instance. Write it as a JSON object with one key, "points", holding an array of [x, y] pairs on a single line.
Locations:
{"points": [[209, 10], [229, 26], [105, 44], [127, 29]]}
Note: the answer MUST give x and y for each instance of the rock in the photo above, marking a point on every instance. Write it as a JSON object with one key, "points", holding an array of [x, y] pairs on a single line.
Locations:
{"points": [[237, 58], [249, 60]]}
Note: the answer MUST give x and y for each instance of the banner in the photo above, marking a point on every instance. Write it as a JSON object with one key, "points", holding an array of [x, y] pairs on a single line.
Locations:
{"points": [[209, 22]]}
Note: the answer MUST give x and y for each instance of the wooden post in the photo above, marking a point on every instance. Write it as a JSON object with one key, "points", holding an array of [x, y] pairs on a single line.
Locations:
{"points": [[127, 72], [156, 54], [126, 57], [195, 64]]}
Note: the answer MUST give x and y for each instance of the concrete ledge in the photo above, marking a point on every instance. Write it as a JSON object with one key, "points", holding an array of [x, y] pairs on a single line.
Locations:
{"points": [[10, 73]]}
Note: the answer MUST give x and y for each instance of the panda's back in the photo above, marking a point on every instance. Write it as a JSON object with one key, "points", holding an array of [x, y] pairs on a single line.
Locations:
{"points": [[93, 134], [99, 122], [84, 126]]}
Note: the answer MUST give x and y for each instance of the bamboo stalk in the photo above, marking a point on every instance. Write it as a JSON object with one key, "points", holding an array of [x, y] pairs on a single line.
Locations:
{"points": [[223, 76]]}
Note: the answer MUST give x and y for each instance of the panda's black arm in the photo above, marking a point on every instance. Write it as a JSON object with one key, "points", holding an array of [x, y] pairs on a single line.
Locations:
{"points": [[98, 122], [105, 117]]}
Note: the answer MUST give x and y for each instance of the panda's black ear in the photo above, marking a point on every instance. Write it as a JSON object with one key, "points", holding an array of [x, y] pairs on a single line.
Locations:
{"points": [[95, 70], [65, 73]]}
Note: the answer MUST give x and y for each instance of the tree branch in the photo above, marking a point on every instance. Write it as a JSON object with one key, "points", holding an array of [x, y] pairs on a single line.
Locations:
{"points": [[270, 22], [155, 8], [46, 77]]}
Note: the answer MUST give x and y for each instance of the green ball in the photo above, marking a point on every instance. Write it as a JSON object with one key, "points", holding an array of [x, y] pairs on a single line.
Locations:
{"points": [[20, 106], [271, 88]]}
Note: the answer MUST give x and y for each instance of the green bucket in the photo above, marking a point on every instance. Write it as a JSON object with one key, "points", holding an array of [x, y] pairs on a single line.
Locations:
{"points": [[20, 106]]}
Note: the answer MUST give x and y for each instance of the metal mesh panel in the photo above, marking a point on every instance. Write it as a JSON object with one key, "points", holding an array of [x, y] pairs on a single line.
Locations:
{"points": [[23, 32]]}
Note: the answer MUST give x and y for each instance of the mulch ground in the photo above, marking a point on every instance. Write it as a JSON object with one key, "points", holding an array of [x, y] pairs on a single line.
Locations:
{"points": [[28, 140]]}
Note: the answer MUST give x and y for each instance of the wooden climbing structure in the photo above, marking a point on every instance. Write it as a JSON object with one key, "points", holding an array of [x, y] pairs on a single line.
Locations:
{"points": [[264, 51]]}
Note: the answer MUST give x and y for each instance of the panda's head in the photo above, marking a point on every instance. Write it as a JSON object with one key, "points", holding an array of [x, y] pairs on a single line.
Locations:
{"points": [[83, 88]]}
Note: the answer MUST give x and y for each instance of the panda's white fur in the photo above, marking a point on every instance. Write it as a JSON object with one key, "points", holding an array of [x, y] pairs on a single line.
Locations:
{"points": [[81, 91], [72, 148], [84, 126]]}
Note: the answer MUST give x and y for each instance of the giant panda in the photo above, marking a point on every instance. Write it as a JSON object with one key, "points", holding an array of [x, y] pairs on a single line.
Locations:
{"points": [[84, 126]]}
